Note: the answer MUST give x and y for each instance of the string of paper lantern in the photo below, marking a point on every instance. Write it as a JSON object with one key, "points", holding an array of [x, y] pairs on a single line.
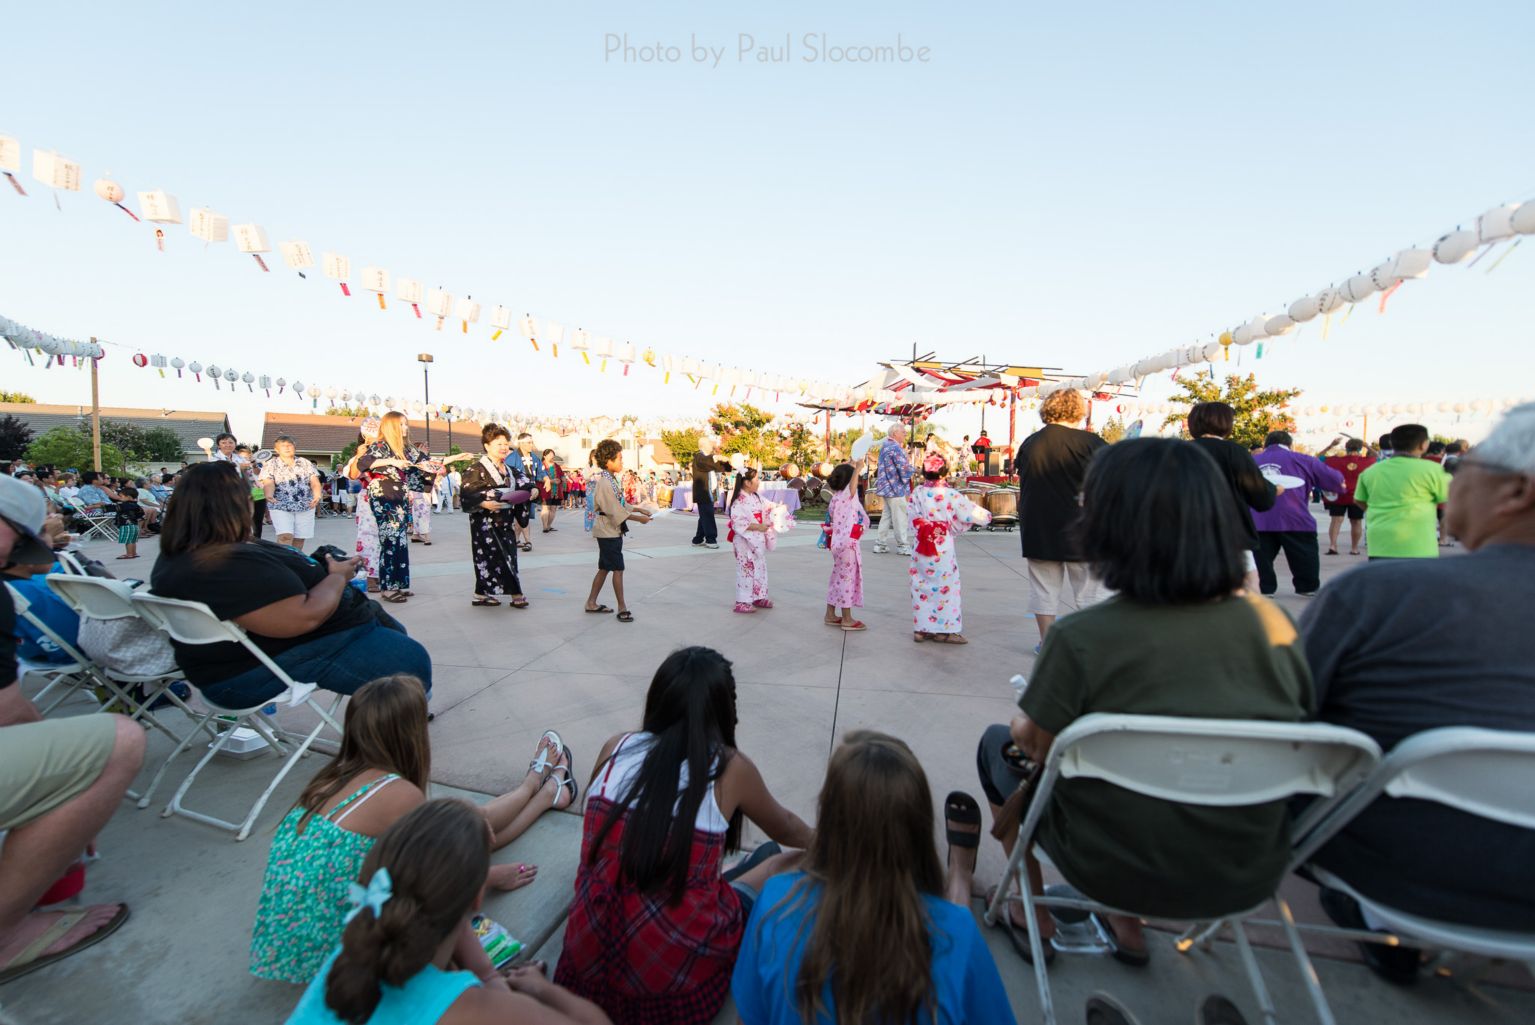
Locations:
{"points": [[1506, 223], [28, 340], [161, 209]]}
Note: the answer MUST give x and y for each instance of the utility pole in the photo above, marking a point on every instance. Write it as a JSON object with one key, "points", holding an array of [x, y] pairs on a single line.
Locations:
{"points": [[95, 415]]}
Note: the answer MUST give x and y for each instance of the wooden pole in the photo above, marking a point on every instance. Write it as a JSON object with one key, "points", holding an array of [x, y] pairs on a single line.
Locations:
{"points": [[828, 434], [95, 415], [1012, 425]]}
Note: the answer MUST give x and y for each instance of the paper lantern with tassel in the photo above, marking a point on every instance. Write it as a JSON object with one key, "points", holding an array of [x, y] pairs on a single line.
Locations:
{"points": [[266, 384], [1523, 220], [626, 356], [1496, 224], [251, 238], [1305, 308], [197, 370], [529, 330], [55, 171], [555, 333], [215, 374], [1455, 247], [410, 291], [207, 225], [439, 303], [1358, 288], [339, 269], [468, 313], [581, 341], [500, 320], [375, 280], [297, 256], [604, 350]]}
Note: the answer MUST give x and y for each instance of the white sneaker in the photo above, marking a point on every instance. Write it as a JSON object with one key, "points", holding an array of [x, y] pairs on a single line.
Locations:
{"points": [[880, 551], [903, 551]]}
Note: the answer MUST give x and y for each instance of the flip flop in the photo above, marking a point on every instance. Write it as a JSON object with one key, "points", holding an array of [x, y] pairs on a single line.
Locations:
{"points": [[393, 597], [598, 610], [1133, 958], [854, 626], [568, 781], [832, 622], [959, 807], [32, 957], [1019, 938], [626, 616], [484, 602], [542, 763]]}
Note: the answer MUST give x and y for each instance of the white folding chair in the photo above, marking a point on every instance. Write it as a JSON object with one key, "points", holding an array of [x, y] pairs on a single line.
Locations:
{"points": [[99, 522], [78, 674], [193, 622], [104, 599], [1205, 762], [1487, 773]]}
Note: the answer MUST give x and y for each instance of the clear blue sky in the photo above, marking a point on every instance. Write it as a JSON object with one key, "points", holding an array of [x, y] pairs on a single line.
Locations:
{"points": [[1072, 185]]}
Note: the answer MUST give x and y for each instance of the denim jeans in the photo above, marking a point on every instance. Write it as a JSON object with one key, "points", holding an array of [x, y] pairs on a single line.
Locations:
{"points": [[339, 662]]}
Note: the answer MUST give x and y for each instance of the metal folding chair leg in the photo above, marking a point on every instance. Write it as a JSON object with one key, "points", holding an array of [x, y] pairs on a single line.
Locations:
{"points": [[1303, 962]]}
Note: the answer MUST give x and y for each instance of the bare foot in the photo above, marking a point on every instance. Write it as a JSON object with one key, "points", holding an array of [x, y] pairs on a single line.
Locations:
{"points": [[511, 877], [38, 922]]}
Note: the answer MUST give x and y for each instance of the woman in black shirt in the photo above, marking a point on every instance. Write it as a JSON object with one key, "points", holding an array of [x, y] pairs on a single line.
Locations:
{"points": [[1210, 425], [300, 612]]}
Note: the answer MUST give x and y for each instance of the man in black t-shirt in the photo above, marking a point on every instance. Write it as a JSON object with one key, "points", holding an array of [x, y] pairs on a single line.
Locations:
{"points": [[704, 464], [60, 781]]}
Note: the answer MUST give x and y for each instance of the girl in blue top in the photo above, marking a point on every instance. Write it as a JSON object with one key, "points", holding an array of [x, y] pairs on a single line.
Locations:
{"points": [[419, 885], [864, 933]]}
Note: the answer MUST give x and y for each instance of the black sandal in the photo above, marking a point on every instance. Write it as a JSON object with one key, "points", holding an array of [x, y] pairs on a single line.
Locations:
{"points": [[519, 603], [484, 602], [626, 616]]}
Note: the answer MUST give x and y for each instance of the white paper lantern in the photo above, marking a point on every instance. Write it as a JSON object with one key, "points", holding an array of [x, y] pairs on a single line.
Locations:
{"points": [[468, 313], [1383, 275], [159, 207], [337, 268], [1210, 351], [298, 387], [251, 238], [581, 340], [1329, 300], [214, 373], [207, 225], [409, 290], [555, 333], [439, 303], [1445, 407], [1305, 308], [1358, 288], [500, 319], [1496, 224], [1412, 263], [109, 190], [231, 376], [55, 171], [297, 255], [375, 280], [50, 345], [1523, 220], [527, 327], [266, 383], [1456, 247], [196, 368], [604, 348], [10, 153], [1281, 324]]}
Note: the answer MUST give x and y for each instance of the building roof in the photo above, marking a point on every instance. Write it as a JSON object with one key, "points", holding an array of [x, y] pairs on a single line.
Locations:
{"points": [[187, 424], [318, 434]]}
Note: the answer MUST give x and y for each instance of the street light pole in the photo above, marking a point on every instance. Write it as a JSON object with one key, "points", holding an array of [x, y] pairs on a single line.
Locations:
{"points": [[425, 359]]}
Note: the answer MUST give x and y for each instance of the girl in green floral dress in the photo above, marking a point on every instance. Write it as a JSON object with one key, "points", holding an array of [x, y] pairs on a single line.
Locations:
{"points": [[379, 775]]}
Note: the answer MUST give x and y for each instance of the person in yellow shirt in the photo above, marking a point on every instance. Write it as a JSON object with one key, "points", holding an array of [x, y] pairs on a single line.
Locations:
{"points": [[1401, 496]]}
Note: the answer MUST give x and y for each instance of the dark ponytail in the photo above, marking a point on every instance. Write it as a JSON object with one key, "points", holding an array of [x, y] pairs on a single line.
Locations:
{"points": [[437, 859], [741, 478]]}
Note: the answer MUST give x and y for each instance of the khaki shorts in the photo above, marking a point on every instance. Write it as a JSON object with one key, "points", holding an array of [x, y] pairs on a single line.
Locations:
{"points": [[44, 764], [1056, 588]]}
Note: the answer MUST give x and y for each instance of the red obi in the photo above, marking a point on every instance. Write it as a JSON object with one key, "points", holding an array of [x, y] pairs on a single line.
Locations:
{"points": [[930, 535]]}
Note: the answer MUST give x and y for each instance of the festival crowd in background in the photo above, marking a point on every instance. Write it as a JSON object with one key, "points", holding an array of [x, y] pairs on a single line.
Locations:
{"points": [[1142, 557]]}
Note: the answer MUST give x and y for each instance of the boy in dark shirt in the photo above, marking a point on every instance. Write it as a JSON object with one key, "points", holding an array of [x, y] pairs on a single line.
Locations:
{"points": [[129, 513]]}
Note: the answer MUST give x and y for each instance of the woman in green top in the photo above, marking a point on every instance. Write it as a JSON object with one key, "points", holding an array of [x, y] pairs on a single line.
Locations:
{"points": [[380, 774], [1180, 638]]}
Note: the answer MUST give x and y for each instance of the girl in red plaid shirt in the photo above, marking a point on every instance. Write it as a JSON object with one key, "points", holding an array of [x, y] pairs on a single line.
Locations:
{"points": [[655, 926]]}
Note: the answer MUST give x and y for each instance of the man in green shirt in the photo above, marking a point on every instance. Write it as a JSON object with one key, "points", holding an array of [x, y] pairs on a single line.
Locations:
{"points": [[1401, 496]]}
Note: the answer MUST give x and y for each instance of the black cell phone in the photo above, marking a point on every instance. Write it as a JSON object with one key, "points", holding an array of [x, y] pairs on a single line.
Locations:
{"points": [[325, 553], [1013, 755]]}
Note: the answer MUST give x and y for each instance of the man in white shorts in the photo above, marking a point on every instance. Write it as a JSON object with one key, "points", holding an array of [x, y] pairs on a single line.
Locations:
{"points": [[292, 487]]}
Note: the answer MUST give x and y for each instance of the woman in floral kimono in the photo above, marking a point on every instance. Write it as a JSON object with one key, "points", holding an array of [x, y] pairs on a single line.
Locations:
{"points": [[492, 537], [421, 502], [750, 529], [844, 593], [936, 511], [391, 469], [367, 526]]}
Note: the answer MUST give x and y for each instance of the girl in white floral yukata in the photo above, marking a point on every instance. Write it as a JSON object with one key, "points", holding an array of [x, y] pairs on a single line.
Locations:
{"points": [[367, 526], [751, 536], [937, 511]]}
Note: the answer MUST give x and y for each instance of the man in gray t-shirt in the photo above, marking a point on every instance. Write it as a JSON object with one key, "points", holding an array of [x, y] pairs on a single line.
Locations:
{"points": [[1401, 647]]}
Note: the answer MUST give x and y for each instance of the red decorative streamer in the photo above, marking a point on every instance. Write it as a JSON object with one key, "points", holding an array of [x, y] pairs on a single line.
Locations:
{"points": [[344, 289], [14, 183], [261, 263], [1387, 295], [130, 213], [417, 308]]}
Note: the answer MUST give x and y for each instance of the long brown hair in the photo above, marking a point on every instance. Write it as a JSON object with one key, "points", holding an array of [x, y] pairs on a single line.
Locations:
{"points": [[872, 859], [385, 728], [438, 858], [392, 429], [211, 505]]}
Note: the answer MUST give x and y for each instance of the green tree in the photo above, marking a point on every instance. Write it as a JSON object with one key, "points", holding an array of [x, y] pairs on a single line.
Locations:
{"points": [[15, 436], [1113, 430], [345, 455], [683, 444], [1258, 411], [744, 428], [20, 397], [70, 448], [136, 443], [349, 411]]}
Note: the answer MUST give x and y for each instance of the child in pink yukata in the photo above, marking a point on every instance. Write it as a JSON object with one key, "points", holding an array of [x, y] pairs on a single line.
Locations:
{"points": [[937, 511], [848, 521], [750, 533]]}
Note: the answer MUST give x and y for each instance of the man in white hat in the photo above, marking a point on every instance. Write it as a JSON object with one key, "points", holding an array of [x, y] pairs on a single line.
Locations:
{"points": [[60, 780]]}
